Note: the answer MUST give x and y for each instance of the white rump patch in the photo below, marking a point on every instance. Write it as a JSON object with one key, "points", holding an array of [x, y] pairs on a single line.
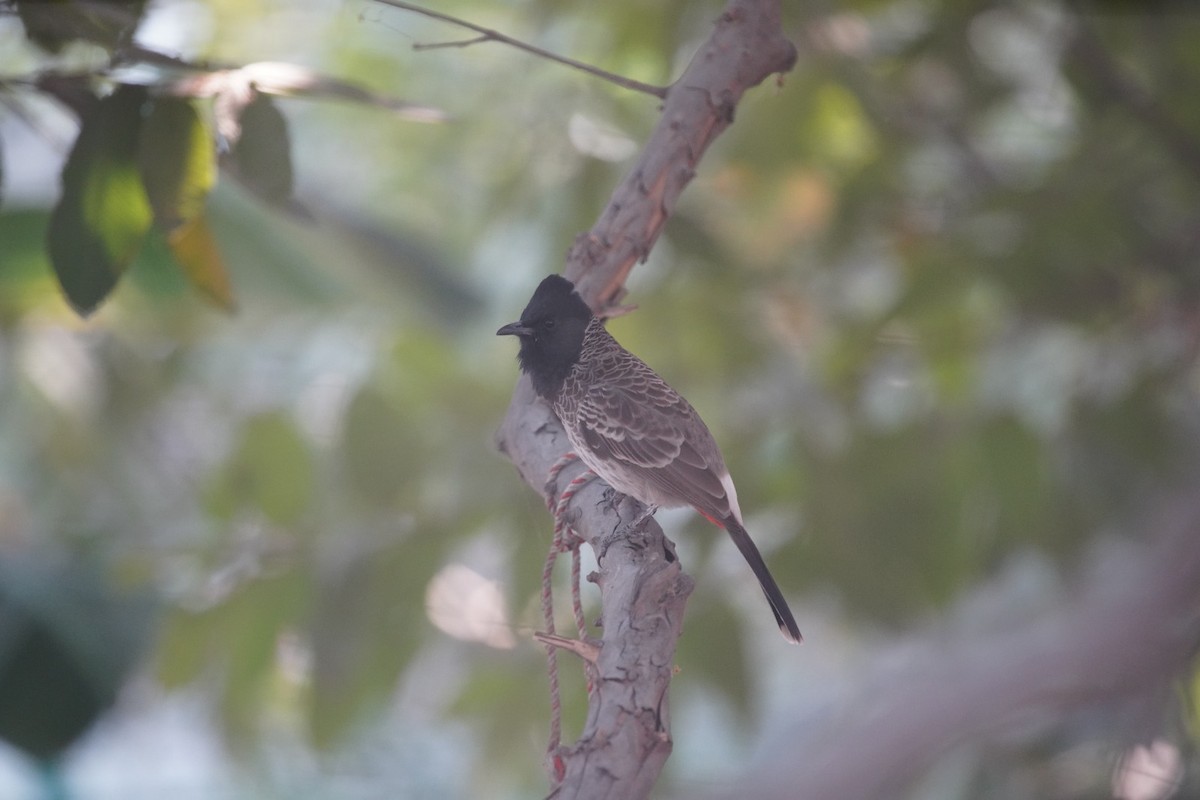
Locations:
{"points": [[731, 493]]}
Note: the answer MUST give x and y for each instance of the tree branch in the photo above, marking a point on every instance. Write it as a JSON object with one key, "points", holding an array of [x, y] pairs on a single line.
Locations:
{"points": [[626, 739], [1098, 66], [745, 48]]}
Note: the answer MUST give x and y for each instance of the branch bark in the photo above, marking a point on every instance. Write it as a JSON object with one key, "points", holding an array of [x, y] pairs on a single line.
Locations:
{"points": [[746, 47], [626, 739]]}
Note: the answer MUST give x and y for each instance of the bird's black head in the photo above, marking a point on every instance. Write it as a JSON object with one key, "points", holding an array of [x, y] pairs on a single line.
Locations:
{"points": [[551, 333]]}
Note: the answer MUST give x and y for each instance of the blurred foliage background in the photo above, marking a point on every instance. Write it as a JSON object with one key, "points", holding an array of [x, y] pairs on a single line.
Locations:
{"points": [[936, 294]]}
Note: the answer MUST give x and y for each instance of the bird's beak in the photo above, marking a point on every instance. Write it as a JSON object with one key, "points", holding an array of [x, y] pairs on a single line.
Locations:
{"points": [[515, 329]]}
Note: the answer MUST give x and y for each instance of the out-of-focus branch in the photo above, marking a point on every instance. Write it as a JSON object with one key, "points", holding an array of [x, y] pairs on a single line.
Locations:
{"points": [[1097, 66], [627, 738], [1129, 628]]}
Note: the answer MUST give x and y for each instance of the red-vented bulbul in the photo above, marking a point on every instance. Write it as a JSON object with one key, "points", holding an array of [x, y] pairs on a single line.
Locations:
{"points": [[627, 424]]}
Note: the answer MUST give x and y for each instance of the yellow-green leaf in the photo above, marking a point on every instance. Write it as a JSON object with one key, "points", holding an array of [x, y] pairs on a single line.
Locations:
{"points": [[103, 214], [194, 248], [177, 161]]}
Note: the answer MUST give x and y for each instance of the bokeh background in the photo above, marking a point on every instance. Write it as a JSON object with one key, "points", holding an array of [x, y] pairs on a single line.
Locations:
{"points": [[935, 292]]}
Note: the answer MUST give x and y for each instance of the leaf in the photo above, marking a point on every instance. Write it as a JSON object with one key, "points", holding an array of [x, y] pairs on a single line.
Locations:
{"points": [[178, 167], [369, 623], [53, 23], [274, 468], [71, 638], [378, 447], [100, 221], [718, 655], [194, 248], [504, 694], [261, 155], [362, 637], [177, 162], [183, 649], [243, 643]]}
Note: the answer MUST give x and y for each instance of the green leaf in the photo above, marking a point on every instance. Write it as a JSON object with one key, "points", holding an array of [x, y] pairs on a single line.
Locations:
{"points": [[504, 699], [369, 623], [245, 631], [378, 447], [25, 280], [274, 469], [184, 648], [177, 162], [234, 642], [714, 651], [103, 215], [262, 153]]}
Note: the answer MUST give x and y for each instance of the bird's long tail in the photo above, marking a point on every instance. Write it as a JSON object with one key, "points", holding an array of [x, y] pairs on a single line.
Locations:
{"points": [[783, 614]]}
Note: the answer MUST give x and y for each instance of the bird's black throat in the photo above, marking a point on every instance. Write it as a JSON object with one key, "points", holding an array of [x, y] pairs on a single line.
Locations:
{"points": [[546, 374], [551, 331]]}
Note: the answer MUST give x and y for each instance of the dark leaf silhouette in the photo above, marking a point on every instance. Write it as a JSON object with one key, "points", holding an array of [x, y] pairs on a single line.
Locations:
{"points": [[53, 23]]}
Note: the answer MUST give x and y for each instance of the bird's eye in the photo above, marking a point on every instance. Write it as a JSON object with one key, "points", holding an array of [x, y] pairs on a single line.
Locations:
{"points": [[548, 323]]}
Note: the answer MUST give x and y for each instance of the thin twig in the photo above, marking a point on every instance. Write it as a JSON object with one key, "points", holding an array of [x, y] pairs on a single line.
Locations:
{"points": [[487, 34], [588, 651], [18, 109], [460, 43]]}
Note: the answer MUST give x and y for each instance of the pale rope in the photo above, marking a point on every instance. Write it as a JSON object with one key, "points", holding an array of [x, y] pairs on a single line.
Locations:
{"points": [[565, 538]]}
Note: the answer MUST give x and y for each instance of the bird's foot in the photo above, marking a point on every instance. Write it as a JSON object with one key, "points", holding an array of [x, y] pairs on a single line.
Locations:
{"points": [[647, 513], [611, 497], [614, 499]]}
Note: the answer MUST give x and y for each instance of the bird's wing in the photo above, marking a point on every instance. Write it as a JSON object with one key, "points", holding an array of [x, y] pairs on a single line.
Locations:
{"points": [[642, 424]]}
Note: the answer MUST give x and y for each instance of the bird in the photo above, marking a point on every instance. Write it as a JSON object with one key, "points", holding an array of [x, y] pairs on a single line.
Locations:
{"points": [[628, 425]]}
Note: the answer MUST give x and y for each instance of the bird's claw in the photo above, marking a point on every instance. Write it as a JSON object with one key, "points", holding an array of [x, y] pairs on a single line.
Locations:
{"points": [[640, 519]]}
